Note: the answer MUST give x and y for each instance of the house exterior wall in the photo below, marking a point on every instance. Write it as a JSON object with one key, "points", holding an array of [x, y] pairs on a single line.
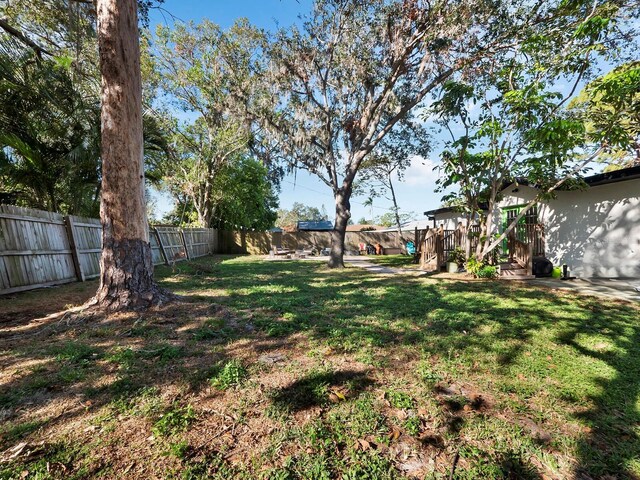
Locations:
{"points": [[450, 220], [596, 231]]}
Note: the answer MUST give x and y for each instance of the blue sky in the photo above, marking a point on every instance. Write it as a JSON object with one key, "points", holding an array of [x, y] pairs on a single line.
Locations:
{"points": [[415, 193]]}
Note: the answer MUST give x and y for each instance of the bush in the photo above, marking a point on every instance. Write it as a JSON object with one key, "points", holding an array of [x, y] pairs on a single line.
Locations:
{"points": [[487, 271], [480, 269], [457, 256], [474, 265]]}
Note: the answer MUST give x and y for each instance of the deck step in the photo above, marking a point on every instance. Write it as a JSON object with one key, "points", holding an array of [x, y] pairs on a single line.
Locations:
{"points": [[513, 271], [510, 266]]}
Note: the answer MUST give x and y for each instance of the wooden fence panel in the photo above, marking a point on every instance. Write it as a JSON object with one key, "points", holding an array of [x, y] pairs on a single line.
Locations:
{"points": [[171, 238], [39, 248], [34, 249], [214, 240], [198, 241], [87, 234], [157, 255]]}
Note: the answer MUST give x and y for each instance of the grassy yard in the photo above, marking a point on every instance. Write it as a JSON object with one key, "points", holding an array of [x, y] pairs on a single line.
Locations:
{"points": [[283, 370], [394, 261]]}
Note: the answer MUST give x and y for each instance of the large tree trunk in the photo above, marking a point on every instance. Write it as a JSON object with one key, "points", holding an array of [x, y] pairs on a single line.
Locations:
{"points": [[343, 213], [126, 269]]}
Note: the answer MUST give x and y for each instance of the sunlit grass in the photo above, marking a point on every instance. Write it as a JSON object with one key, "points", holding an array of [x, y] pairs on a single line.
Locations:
{"points": [[518, 382]]}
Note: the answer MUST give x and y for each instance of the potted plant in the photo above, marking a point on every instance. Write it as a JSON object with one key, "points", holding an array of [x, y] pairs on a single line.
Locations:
{"points": [[456, 260]]}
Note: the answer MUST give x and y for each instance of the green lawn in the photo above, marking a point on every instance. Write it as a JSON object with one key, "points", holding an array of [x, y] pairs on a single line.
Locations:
{"points": [[283, 370], [394, 261]]}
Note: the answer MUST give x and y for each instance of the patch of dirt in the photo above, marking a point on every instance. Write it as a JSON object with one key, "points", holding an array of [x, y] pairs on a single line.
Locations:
{"points": [[22, 307]]}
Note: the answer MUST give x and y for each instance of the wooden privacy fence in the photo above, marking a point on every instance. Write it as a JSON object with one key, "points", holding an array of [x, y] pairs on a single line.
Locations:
{"points": [[261, 243], [39, 248]]}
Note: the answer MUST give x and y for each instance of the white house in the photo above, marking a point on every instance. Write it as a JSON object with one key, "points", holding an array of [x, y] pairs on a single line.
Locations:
{"points": [[408, 227], [446, 217], [594, 231]]}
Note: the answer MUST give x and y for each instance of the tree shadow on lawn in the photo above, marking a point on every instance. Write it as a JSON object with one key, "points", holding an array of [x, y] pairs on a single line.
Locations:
{"points": [[317, 389], [493, 319], [612, 442], [86, 364]]}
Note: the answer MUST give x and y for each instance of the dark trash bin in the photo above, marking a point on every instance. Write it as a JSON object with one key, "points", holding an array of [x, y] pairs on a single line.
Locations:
{"points": [[542, 267]]}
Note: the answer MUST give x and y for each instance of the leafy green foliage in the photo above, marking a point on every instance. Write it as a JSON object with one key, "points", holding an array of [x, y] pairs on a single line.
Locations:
{"points": [[210, 170], [474, 265], [175, 420], [245, 196], [179, 449], [399, 399], [610, 106], [299, 213], [508, 119], [75, 352], [487, 271], [457, 256], [228, 375], [412, 425], [50, 134]]}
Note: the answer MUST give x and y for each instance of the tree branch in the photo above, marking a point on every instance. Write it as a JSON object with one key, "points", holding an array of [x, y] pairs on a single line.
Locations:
{"points": [[4, 24]]}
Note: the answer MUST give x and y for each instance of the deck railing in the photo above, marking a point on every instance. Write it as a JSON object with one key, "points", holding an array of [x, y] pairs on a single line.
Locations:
{"points": [[532, 233], [521, 253], [430, 248], [438, 244]]}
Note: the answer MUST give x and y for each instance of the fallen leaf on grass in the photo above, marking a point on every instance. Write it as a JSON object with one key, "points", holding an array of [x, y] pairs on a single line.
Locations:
{"points": [[337, 394], [22, 449], [363, 445]]}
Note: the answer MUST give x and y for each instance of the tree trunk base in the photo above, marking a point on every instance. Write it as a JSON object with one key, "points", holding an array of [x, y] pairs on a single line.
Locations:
{"points": [[126, 278], [335, 261]]}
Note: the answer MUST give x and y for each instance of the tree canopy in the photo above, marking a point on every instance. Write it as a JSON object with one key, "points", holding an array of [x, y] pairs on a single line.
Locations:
{"points": [[299, 213], [200, 69], [509, 120]]}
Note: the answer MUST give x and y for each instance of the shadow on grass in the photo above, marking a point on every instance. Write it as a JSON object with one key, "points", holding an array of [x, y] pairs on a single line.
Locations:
{"points": [[315, 390], [503, 329]]}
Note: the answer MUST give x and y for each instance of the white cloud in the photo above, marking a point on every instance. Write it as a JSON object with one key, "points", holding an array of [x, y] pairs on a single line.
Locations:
{"points": [[422, 172]]}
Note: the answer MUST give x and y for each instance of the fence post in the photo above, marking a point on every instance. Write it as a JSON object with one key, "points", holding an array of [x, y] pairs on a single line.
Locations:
{"points": [[161, 245], [184, 241], [74, 249]]}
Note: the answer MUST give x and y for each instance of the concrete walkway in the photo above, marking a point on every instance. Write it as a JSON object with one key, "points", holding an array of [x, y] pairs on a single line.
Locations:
{"points": [[362, 262], [614, 288]]}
